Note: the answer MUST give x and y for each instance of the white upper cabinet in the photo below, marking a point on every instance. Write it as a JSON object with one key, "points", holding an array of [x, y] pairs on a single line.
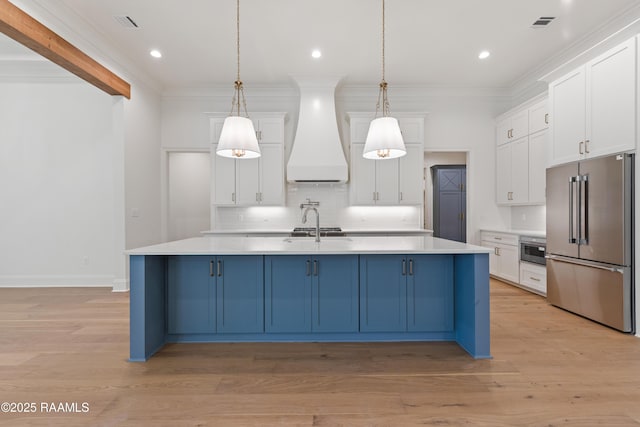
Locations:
{"points": [[537, 167], [250, 182], [411, 169], [512, 127], [387, 182], [593, 108], [538, 117], [520, 155]]}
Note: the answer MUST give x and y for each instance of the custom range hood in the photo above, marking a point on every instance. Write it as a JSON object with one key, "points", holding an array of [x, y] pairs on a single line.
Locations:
{"points": [[316, 155]]}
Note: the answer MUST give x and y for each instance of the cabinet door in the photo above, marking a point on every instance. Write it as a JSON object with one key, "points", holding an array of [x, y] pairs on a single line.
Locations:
{"points": [[335, 293], [538, 117], [271, 175], [287, 293], [537, 167], [493, 257], [509, 263], [363, 177], [567, 101], [503, 131], [519, 125], [611, 101], [387, 178], [247, 181], [224, 179], [240, 293], [411, 171], [503, 174], [412, 130], [520, 170], [430, 293], [383, 293], [191, 307], [270, 130]]}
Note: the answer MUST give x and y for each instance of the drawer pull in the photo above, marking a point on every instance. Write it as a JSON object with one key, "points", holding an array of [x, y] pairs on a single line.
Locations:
{"points": [[535, 279]]}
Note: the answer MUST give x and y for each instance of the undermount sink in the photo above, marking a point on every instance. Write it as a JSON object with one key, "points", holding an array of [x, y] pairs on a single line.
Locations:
{"points": [[312, 239]]}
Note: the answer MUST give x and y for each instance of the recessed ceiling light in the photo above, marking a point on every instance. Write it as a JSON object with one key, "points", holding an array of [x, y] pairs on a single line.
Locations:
{"points": [[484, 54], [155, 53], [316, 54]]}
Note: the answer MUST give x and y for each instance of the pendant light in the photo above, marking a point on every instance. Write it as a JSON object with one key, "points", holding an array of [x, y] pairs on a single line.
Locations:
{"points": [[384, 139], [238, 137]]}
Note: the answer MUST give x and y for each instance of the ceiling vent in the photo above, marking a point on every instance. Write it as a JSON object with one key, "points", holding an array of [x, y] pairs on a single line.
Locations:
{"points": [[126, 21], [542, 22]]}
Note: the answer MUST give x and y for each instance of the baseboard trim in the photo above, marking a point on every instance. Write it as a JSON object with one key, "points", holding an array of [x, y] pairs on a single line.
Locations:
{"points": [[57, 281], [121, 285]]}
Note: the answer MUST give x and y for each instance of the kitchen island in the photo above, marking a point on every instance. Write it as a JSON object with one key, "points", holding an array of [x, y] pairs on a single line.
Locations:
{"points": [[240, 289]]}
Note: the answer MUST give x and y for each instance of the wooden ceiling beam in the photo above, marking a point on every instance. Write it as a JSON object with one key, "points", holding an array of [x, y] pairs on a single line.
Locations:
{"points": [[24, 29]]}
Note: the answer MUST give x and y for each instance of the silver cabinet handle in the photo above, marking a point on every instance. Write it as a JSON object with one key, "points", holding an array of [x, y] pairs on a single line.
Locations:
{"points": [[315, 267], [219, 268], [211, 268], [308, 271], [586, 146], [411, 267], [401, 196], [404, 267], [580, 145], [546, 119], [233, 197]]}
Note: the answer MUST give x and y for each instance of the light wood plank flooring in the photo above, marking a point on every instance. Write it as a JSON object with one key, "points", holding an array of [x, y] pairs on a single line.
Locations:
{"points": [[550, 368]]}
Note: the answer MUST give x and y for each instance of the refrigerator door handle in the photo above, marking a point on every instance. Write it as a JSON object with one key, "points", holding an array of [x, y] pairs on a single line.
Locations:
{"points": [[583, 223], [584, 263], [572, 238]]}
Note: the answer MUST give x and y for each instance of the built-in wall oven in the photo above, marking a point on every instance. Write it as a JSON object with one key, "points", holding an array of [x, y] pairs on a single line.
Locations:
{"points": [[533, 249]]}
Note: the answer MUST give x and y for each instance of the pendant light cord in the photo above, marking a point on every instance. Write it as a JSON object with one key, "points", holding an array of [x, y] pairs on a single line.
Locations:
{"points": [[238, 36], [238, 93], [383, 40]]}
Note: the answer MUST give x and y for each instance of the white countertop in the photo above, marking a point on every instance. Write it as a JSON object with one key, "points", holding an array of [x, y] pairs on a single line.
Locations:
{"points": [[532, 233], [417, 231], [227, 245]]}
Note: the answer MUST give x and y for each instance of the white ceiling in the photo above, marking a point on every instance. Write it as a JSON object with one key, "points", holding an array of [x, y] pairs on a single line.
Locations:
{"points": [[429, 42]]}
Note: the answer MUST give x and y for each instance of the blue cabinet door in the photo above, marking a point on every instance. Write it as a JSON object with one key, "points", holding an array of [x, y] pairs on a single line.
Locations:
{"points": [[287, 280], [430, 290], [383, 293], [240, 294], [335, 293], [191, 295]]}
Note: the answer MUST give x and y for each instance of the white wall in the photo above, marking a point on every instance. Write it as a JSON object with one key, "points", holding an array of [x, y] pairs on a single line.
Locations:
{"points": [[57, 184], [529, 218], [142, 116]]}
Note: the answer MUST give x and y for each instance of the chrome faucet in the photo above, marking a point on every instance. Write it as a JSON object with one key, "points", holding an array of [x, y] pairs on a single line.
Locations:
{"points": [[307, 206]]}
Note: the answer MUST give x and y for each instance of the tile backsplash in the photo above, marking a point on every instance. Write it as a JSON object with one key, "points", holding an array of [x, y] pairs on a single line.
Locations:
{"points": [[335, 211], [528, 217]]}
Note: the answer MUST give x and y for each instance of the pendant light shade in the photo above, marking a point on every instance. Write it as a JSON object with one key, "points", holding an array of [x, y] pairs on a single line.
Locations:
{"points": [[384, 139], [238, 137]]}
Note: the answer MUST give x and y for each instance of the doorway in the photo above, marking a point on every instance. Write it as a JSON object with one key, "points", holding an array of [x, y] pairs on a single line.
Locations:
{"points": [[188, 183], [450, 202], [454, 166]]}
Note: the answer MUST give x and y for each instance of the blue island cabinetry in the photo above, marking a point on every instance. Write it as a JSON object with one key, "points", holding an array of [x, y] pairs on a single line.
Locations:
{"points": [[214, 294], [315, 297], [311, 293], [401, 293]]}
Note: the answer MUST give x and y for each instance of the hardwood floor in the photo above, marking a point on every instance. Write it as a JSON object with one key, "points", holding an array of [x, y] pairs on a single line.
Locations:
{"points": [[549, 368]]}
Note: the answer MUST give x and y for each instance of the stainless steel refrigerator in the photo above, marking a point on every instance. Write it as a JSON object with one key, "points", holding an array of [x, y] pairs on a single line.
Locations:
{"points": [[590, 239]]}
